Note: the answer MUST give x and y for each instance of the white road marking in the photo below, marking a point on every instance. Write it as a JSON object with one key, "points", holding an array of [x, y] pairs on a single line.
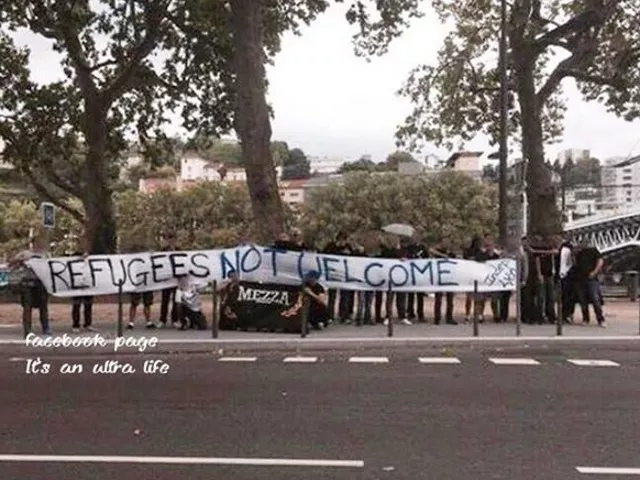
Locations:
{"points": [[261, 462], [439, 360], [593, 363], [514, 361], [300, 360], [608, 471], [238, 359], [368, 360]]}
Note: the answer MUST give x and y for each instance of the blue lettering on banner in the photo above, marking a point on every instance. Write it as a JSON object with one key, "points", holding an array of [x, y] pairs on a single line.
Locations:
{"points": [[348, 278], [301, 272], [329, 270], [403, 270], [227, 266], [427, 267], [274, 260], [442, 271], [366, 274], [200, 266], [256, 262]]}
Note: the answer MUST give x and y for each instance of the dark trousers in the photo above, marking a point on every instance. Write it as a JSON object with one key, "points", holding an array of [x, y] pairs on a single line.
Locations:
{"points": [[401, 304], [568, 298], [437, 307], [345, 307], [168, 298], [389, 297], [364, 309], [502, 300], [191, 318], [34, 297], [79, 303], [547, 298], [331, 303], [588, 292], [529, 308]]}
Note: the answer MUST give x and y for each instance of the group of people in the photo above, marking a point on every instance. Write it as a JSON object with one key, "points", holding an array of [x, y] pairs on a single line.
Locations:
{"points": [[548, 266], [545, 264]]}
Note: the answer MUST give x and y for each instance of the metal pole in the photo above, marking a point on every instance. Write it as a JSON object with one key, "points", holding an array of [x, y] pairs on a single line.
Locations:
{"points": [[559, 309], [475, 309], [120, 309], [304, 316], [518, 295], [504, 92], [215, 318], [389, 305]]}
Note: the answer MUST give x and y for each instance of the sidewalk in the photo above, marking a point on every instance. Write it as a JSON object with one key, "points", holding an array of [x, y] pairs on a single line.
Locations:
{"points": [[622, 321]]}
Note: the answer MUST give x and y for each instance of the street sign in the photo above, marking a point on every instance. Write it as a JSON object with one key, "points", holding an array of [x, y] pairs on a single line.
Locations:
{"points": [[48, 211]]}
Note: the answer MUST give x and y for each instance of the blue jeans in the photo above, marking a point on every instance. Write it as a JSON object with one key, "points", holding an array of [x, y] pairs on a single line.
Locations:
{"points": [[588, 292]]}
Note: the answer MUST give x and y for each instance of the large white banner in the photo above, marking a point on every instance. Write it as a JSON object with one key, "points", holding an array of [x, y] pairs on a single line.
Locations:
{"points": [[139, 272]]}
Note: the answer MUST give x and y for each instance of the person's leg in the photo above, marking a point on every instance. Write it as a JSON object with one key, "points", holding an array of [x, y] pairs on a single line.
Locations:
{"points": [[449, 309], [43, 309], [88, 312], [411, 308], [133, 309], [75, 313], [468, 303], [401, 305], [342, 306], [165, 299], [26, 300], [583, 299], [566, 297], [390, 297], [331, 303], [437, 308], [549, 299], [378, 307], [420, 306], [368, 299], [595, 298], [147, 301], [504, 299], [494, 299]]}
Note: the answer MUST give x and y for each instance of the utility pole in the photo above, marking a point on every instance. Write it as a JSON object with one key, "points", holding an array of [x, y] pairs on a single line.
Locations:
{"points": [[504, 133]]}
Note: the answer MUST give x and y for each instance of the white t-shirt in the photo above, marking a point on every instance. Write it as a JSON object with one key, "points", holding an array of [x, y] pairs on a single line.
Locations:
{"points": [[566, 260]]}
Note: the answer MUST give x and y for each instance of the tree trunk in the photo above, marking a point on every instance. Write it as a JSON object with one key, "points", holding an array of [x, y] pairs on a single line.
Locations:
{"points": [[251, 120], [544, 218], [101, 230]]}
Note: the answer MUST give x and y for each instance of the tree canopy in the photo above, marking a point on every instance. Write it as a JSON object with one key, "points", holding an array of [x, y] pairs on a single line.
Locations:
{"points": [[444, 206], [296, 166], [593, 42]]}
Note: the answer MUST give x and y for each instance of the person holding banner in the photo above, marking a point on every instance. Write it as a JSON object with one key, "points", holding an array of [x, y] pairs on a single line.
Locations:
{"points": [[318, 300], [85, 302], [189, 304], [168, 299], [32, 292]]}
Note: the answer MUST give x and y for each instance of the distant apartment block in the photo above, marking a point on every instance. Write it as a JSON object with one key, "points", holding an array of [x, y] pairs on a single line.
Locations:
{"points": [[573, 154], [620, 179], [466, 162], [325, 165]]}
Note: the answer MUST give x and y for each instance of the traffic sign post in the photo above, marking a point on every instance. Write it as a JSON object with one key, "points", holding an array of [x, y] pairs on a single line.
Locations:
{"points": [[48, 211]]}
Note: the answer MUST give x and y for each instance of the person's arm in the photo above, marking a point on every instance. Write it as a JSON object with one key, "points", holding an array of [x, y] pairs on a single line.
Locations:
{"points": [[524, 264], [538, 269], [596, 271], [318, 297]]}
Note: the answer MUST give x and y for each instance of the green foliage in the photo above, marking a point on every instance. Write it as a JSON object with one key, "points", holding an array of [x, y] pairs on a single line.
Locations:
{"points": [[17, 218], [585, 171], [398, 157], [296, 166], [209, 215], [447, 205], [365, 164]]}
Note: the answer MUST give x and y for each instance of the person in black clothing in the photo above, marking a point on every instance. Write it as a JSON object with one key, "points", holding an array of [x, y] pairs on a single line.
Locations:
{"points": [[416, 251], [443, 251], [387, 251], [471, 253], [544, 255], [169, 294], [402, 297], [85, 302], [588, 266], [531, 311], [318, 314], [563, 262], [487, 252], [346, 302], [229, 292]]}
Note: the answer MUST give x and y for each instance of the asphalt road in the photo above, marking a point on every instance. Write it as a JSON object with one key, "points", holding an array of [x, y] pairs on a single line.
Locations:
{"points": [[403, 419]]}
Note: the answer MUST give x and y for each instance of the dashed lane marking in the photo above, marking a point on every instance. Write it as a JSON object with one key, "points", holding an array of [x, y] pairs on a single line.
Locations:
{"points": [[439, 360], [238, 359], [514, 361], [608, 471], [593, 363], [300, 360], [369, 360]]}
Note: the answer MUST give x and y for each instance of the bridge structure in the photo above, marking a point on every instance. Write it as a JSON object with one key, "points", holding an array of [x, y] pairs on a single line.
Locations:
{"points": [[615, 233]]}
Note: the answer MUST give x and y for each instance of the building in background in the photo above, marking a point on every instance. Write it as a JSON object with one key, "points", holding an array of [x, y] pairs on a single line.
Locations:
{"points": [[466, 162], [620, 183], [325, 165], [573, 154]]}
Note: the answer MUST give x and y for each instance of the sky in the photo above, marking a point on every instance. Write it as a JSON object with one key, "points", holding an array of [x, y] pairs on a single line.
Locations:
{"points": [[331, 103]]}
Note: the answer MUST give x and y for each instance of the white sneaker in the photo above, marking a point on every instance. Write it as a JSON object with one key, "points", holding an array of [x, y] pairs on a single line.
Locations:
{"points": [[603, 325], [75, 330], [386, 322], [406, 321], [89, 329]]}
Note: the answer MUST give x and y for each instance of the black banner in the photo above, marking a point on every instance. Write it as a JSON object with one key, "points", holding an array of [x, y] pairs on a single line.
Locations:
{"points": [[261, 306]]}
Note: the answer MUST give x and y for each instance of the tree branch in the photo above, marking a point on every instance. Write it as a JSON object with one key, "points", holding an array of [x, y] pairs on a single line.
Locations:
{"points": [[43, 191], [579, 23], [155, 13]]}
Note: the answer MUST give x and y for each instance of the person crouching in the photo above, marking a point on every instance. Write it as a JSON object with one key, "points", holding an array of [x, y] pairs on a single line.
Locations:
{"points": [[189, 305]]}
